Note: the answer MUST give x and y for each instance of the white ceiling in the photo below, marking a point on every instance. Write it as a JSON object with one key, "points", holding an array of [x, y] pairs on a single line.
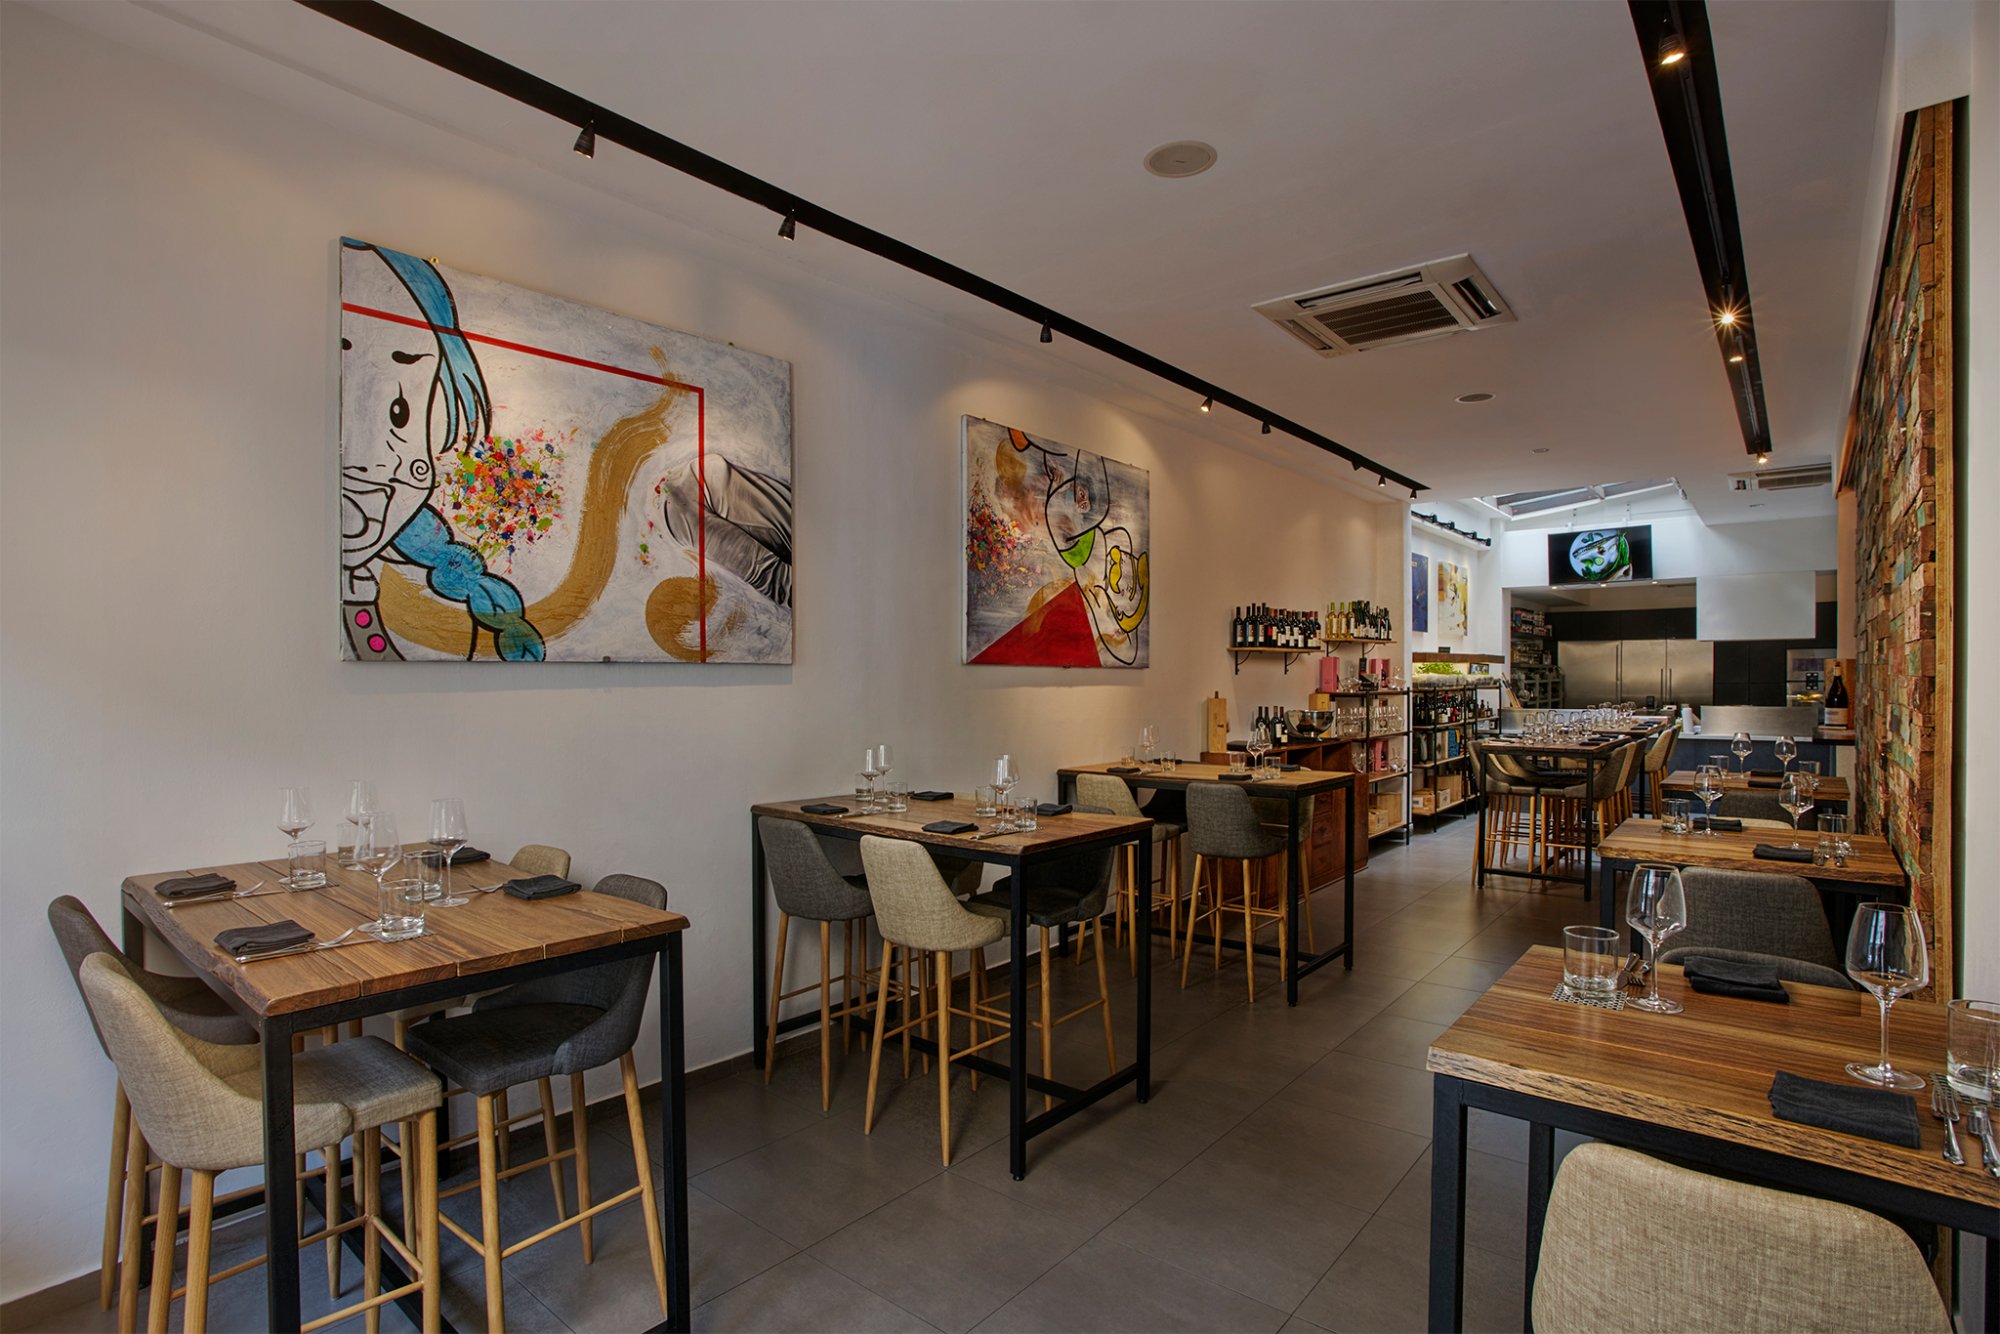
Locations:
{"points": [[1353, 138]]}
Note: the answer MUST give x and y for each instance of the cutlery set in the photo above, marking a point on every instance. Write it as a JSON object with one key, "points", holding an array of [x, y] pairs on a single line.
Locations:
{"points": [[1978, 1119]]}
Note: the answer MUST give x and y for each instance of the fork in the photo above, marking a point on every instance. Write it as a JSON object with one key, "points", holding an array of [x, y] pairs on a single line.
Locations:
{"points": [[1944, 1106], [250, 893], [310, 947], [1982, 1126]]}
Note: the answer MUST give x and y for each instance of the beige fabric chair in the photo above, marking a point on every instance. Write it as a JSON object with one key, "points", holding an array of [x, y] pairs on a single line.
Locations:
{"points": [[917, 914], [201, 1108], [540, 859], [1635, 1244], [1109, 792]]}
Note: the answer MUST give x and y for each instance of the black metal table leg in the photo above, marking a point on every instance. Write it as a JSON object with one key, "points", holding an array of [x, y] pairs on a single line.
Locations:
{"points": [[1589, 817], [1017, 1025], [758, 993], [1358, 817], [673, 1133], [1294, 881], [1447, 1204], [1541, 1171], [1607, 890], [1143, 923], [281, 1220]]}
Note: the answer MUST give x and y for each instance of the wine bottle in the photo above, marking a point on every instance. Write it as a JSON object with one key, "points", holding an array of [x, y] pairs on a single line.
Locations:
{"points": [[1839, 711]]}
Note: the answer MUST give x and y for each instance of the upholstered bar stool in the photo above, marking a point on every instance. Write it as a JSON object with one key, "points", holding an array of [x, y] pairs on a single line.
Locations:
{"points": [[1108, 793], [807, 887], [190, 1006], [1512, 799], [564, 1024], [1567, 809], [1067, 891], [200, 1105], [917, 913], [1223, 827], [1653, 769]]}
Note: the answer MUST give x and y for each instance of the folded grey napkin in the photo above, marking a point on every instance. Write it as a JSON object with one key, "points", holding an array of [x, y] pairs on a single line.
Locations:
{"points": [[1870, 1113], [193, 886], [1236, 778], [1049, 808], [1756, 781], [950, 827], [541, 887], [466, 856], [1726, 824], [1735, 977], [823, 808], [1122, 769], [929, 794], [262, 938], [1771, 852]]}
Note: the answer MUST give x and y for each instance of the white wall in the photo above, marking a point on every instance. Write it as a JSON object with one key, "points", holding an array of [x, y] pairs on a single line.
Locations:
{"points": [[1684, 547], [167, 547], [1485, 632]]}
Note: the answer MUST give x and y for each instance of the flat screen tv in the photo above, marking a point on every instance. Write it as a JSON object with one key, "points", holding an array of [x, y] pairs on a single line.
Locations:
{"points": [[1601, 555]]}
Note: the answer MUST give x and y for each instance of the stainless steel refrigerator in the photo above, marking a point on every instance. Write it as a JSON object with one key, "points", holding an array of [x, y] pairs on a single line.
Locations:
{"points": [[1680, 671]]}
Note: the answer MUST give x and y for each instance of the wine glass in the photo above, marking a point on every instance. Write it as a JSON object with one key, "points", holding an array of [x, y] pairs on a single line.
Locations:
{"points": [[1149, 739], [1004, 778], [1708, 786], [1886, 954], [377, 848], [1796, 796], [294, 816], [1259, 744], [360, 804], [1740, 747], [1787, 750], [448, 836], [1655, 907], [882, 766], [869, 773]]}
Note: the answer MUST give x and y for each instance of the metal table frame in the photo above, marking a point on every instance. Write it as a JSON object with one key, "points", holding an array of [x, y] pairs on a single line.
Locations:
{"points": [[1452, 1096], [275, 1032], [1022, 865], [1592, 757], [1357, 834]]}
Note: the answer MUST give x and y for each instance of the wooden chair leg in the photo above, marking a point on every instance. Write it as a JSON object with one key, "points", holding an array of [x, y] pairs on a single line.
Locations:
{"points": [[330, 1163], [505, 1122], [579, 1130], [1194, 914], [1249, 936], [548, 1096], [777, 988], [825, 1015], [847, 988], [368, 1168], [1048, 1023], [201, 1224], [133, 1227], [875, 1048], [489, 1212], [165, 1232], [404, 1167], [642, 1163], [975, 1028], [944, 1043], [427, 1219], [1104, 999], [114, 1197], [905, 994]]}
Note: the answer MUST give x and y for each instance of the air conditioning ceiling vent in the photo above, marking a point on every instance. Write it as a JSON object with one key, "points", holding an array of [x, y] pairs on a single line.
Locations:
{"points": [[1799, 477], [1446, 296]]}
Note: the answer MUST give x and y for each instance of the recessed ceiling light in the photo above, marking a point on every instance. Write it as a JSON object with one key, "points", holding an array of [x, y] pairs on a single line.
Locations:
{"points": [[1475, 398], [1183, 157], [1756, 504], [1539, 449]]}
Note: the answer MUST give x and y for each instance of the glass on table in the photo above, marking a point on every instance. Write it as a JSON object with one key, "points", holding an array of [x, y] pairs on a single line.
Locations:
{"points": [[1149, 741], [294, 818], [1590, 960], [1972, 1049], [400, 908], [1239, 763], [448, 836], [1826, 848], [305, 862], [1004, 778], [1708, 786], [1787, 750], [1655, 907], [377, 850], [864, 791], [1888, 956], [1679, 817], [1797, 798], [431, 865], [983, 803], [896, 796], [1809, 770], [360, 803], [1027, 813], [1740, 747]]}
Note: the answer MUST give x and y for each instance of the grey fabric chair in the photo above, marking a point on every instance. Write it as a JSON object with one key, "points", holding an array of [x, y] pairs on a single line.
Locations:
{"points": [[200, 1106], [190, 1006], [1788, 969], [563, 1024], [1067, 891], [1762, 807], [807, 886], [1512, 798], [1108, 793], [1717, 1254], [1758, 912], [1223, 827], [1603, 800], [917, 913]]}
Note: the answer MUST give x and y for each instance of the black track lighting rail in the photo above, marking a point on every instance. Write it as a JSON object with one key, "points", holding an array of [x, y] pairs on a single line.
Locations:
{"points": [[1687, 96], [469, 62]]}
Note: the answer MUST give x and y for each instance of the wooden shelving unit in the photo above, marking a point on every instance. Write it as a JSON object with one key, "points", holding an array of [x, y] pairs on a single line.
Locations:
{"points": [[1451, 769], [1292, 655]]}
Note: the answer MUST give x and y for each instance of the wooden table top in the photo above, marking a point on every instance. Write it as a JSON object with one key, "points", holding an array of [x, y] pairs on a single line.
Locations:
{"points": [[1303, 781], [490, 932], [1829, 787], [1872, 862], [1707, 1070], [1053, 832], [1515, 745]]}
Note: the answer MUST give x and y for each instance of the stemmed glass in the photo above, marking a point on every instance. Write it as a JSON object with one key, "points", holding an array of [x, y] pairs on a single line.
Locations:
{"points": [[1787, 750], [1740, 747], [882, 768], [360, 804], [1886, 954], [377, 849], [1004, 779], [1708, 786], [1149, 739], [1259, 745], [869, 773], [1796, 796], [1655, 907], [448, 836], [295, 815]]}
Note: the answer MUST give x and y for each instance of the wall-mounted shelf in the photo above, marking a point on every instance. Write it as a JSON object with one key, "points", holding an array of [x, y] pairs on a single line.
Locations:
{"points": [[1292, 655], [1457, 657], [1338, 639]]}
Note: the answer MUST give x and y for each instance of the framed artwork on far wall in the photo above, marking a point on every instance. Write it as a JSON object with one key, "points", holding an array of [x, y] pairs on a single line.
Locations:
{"points": [[1057, 570], [1420, 593]]}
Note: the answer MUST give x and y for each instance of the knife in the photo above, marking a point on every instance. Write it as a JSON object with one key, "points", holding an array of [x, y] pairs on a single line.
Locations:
{"points": [[1982, 1126]]}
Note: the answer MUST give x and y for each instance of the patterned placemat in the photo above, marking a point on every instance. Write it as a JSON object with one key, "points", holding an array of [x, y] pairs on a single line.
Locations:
{"points": [[1610, 1000]]}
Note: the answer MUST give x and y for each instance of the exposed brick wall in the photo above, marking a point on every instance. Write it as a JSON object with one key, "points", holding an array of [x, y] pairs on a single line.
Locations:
{"points": [[1899, 467]]}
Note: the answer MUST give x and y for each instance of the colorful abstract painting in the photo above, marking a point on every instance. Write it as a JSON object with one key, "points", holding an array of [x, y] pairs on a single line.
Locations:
{"points": [[1420, 592], [528, 479], [1453, 595], [1056, 541]]}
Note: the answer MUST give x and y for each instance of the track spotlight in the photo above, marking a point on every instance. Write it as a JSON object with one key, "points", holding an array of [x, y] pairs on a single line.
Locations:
{"points": [[1207, 404], [586, 140], [789, 228], [1726, 318], [1673, 50], [1267, 429], [1413, 496], [1381, 482], [1763, 456], [1048, 335]]}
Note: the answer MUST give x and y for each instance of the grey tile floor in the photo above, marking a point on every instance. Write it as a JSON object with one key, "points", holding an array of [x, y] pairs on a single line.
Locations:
{"points": [[1278, 1179]]}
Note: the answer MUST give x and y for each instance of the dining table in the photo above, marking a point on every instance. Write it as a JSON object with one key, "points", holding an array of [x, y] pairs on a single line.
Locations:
{"points": [[1871, 873], [493, 940], [1293, 786], [1587, 754], [1026, 855], [1694, 1087], [1829, 790]]}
